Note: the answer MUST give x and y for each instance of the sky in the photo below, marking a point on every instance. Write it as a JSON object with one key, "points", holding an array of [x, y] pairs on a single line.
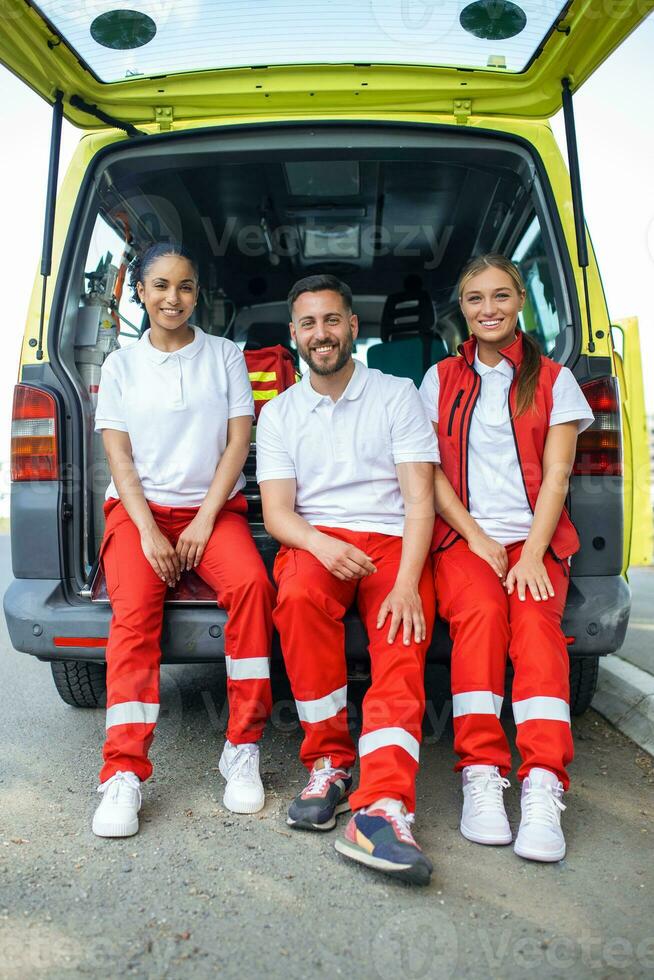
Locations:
{"points": [[614, 111]]}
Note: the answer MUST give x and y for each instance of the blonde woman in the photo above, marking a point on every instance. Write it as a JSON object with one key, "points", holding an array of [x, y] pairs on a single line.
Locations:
{"points": [[507, 420]]}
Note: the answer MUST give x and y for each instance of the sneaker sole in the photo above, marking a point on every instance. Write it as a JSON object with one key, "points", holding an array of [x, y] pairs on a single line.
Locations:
{"points": [[546, 857], [116, 829], [480, 839], [416, 874], [342, 807], [237, 806]]}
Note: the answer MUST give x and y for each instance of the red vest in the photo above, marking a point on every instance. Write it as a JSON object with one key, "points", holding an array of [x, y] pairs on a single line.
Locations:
{"points": [[459, 390]]}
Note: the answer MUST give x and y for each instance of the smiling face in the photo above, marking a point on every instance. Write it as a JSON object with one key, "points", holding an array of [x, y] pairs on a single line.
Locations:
{"points": [[324, 331], [169, 292], [490, 302]]}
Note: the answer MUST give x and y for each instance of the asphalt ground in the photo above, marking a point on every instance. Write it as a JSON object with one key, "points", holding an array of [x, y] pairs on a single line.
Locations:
{"points": [[200, 892]]}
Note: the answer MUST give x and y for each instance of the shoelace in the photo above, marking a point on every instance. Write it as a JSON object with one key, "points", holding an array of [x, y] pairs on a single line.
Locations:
{"points": [[541, 805], [120, 787], [486, 790], [401, 822], [244, 763], [319, 779]]}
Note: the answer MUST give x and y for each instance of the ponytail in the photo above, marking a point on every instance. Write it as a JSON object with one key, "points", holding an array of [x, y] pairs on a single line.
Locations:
{"points": [[527, 375]]}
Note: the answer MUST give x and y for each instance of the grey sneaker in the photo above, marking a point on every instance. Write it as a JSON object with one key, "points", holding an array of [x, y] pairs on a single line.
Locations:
{"points": [[324, 796]]}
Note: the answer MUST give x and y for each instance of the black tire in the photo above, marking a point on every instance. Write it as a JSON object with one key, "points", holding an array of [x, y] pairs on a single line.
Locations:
{"points": [[80, 683], [583, 683]]}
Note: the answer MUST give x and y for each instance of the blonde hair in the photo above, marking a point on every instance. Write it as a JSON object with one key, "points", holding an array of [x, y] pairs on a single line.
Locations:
{"points": [[530, 366]]}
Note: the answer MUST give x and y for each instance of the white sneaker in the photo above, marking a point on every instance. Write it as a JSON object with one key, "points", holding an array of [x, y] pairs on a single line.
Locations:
{"points": [[483, 819], [540, 837], [117, 815], [239, 764]]}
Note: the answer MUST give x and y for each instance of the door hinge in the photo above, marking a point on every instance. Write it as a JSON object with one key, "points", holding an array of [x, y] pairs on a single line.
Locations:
{"points": [[66, 512], [163, 115], [462, 109]]}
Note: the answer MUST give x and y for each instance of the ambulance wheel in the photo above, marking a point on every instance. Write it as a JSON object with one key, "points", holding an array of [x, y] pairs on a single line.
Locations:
{"points": [[79, 683], [583, 683]]}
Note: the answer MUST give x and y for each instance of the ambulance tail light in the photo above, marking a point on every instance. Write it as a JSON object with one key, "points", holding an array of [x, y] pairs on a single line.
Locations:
{"points": [[599, 448], [34, 446]]}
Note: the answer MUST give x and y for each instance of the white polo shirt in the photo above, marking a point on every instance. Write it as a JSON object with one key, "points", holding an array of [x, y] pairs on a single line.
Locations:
{"points": [[175, 408], [497, 496], [343, 454]]}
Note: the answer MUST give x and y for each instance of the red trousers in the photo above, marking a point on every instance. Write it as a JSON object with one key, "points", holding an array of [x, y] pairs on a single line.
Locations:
{"points": [[233, 567], [311, 604], [485, 624]]}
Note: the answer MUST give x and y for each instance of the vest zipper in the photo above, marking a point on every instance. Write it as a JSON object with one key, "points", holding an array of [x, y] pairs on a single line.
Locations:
{"points": [[472, 397], [457, 402], [464, 493]]}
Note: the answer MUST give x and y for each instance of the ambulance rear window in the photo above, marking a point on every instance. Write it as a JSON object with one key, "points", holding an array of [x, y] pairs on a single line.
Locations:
{"points": [[118, 42]]}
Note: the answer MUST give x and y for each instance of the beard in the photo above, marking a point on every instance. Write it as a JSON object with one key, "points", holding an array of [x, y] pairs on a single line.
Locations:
{"points": [[344, 353]]}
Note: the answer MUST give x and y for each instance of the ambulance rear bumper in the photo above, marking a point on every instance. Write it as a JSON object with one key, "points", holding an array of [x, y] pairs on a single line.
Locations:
{"points": [[43, 622]]}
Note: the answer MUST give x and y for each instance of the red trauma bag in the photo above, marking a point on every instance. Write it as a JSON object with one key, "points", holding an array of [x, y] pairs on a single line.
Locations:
{"points": [[271, 371]]}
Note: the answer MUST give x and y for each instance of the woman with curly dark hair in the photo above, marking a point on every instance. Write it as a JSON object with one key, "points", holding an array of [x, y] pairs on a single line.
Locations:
{"points": [[175, 411]]}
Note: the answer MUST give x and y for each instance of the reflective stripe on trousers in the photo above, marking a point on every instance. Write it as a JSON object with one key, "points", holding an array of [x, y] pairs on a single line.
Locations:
{"points": [[232, 566], [309, 617], [486, 624]]}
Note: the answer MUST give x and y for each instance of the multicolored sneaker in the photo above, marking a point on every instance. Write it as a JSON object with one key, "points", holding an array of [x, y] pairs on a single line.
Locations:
{"points": [[381, 838], [324, 796]]}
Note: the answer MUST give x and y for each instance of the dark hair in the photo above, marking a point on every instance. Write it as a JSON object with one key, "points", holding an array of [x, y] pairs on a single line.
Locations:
{"points": [[531, 356], [142, 261], [317, 284]]}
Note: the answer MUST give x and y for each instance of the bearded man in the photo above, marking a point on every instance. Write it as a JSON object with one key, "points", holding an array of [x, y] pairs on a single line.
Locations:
{"points": [[345, 463]]}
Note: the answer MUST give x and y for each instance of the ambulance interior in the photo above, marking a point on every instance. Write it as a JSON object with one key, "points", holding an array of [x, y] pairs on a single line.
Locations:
{"points": [[396, 224]]}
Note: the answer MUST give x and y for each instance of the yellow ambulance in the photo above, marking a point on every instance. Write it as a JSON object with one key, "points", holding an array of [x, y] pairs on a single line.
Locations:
{"points": [[386, 142]]}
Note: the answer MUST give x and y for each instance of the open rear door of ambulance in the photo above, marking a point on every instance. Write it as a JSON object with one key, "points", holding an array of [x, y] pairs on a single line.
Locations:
{"points": [[168, 64], [639, 533]]}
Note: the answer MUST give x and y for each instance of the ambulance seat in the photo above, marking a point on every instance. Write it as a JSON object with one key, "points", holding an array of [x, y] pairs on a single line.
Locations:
{"points": [[409, 341]]}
